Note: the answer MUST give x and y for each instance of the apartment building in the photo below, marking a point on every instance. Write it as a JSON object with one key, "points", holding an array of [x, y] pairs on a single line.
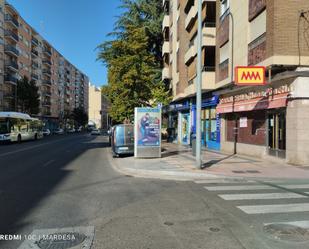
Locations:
{"points": [[180, 61], [95, 106], [265, 121], [24, 52]]}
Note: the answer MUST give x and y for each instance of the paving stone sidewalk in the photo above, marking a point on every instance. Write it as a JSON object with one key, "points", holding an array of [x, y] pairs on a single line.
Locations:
{"points": [[177, 162]]}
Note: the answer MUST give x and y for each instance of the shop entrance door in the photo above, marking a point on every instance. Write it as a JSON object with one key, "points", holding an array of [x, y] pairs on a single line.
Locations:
{"points": [[277, 134]]}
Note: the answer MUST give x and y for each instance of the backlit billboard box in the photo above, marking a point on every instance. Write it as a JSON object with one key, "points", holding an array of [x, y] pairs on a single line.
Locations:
{"points": [[147, 139], [250, 76]]}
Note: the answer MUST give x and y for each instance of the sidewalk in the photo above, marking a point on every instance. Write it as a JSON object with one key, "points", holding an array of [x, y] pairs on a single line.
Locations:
{"points": [[177, 162]]}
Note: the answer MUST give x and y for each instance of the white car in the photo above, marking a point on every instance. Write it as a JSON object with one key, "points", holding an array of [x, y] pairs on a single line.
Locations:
{"points": [[95, 132], [46, 132], [59, 131], [71, 130]]}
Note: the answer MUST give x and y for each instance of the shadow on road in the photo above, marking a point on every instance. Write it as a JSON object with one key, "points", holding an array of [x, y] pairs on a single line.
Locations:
{"points": [[215, 161], [25, 181]]}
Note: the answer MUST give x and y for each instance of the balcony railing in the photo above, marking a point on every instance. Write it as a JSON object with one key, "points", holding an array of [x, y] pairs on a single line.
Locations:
{"points": [[12, 65], [46, 82], [35, 65], [11, 50], [10, 79], [47, 51], [10, 18], [47, 62], [34, 52], [48, 72], [35, 41], [11, 34], [34, 76]]}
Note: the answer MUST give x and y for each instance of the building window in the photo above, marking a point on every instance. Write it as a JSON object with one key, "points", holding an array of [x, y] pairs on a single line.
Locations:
{"points": [[225, 5], [257, 50], [255, 8], [223, 70]]}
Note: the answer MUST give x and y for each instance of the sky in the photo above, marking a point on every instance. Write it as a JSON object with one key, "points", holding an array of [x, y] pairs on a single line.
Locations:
{"points": [[73, 27]]}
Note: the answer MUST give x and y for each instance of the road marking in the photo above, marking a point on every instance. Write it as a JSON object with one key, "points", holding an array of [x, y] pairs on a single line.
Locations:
{"points": [[34, 146], [266, 196], [221, 180], [48, 163], [238, 187], [270, 209], [294, 186]]}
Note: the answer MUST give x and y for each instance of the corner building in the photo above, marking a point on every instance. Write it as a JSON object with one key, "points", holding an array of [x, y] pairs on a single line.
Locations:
{"points": [[264, 121], [180, 60]]}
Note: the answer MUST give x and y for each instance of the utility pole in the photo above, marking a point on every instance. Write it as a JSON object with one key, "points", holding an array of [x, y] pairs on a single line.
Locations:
{"points": [[199, 86]]}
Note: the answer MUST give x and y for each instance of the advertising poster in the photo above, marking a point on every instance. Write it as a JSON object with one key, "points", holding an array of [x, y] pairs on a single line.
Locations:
{"points": [[148, 132]]}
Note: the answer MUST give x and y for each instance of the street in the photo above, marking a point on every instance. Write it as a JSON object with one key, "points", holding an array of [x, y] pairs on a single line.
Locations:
{"points": [[68, 181]]}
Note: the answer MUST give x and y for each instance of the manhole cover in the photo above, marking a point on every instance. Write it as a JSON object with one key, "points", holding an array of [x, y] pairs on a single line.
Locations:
{"points": [[253, 171], [287, 232], [238, 171], [214, 229], [61, 240], [168, 223]]}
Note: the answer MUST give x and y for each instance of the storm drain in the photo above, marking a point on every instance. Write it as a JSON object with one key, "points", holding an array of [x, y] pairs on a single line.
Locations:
{"points": [[287, 232], [61, 240]]}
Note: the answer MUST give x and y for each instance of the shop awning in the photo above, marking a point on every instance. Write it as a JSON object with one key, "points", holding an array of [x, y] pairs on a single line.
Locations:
{"points": [[269, 102]]}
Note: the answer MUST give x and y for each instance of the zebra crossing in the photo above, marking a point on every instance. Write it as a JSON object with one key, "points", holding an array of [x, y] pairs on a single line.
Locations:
{"points": [[254, 191]]}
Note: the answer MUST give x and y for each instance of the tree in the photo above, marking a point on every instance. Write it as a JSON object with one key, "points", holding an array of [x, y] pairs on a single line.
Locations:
{"points": [[134, 59], [79, 116], [28, 98]]}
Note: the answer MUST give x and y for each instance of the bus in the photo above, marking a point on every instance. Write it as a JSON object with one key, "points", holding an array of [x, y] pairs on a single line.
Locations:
{"points": [[17, 127]]}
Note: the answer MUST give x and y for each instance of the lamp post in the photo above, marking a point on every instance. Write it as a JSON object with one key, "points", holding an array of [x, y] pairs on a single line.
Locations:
{"points": [[199, 86]]}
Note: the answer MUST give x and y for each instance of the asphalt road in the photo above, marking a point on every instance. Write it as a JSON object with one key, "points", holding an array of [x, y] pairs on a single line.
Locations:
{"points": [[68, 181]]}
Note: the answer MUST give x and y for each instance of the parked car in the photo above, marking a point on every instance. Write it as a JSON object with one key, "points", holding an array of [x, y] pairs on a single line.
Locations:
{"points": [[95, 132], [59, 131], [71, 130], [122, 140], [80, 129], [46, 132]]}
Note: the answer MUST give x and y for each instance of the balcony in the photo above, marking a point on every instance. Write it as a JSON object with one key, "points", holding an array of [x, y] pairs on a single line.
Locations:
{"points": [[11, 79], [166, 73], [47, 62], [208, 78], [35, 53], [166, 48], [47, 52], [12, 20], [191, 52], [209, 35], [12, 66], [34, 41], [166, 22], [190, 19], [35, 65], [46, 82], [47, 72], [9, 49], [11, 35], [34, 76]]}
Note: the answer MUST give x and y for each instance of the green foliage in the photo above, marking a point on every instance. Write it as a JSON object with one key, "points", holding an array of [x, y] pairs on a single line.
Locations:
{"points": [[133, 59], [28, 98]]}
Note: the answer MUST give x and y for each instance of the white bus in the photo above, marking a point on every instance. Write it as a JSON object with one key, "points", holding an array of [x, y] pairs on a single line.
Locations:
{"points": [[17, 127]]}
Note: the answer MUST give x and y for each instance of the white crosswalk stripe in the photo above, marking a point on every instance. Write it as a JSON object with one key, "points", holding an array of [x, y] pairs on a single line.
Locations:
{"points": [[282, 208], [239, 187], [266, 196], [282, 191]]}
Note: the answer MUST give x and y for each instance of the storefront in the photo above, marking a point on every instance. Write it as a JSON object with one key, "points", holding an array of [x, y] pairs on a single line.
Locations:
{"points": [[210, 123], [254, 122]]}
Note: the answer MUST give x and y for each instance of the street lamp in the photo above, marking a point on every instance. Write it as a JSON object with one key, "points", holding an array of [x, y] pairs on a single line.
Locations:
{"points": [[199, 86]]}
